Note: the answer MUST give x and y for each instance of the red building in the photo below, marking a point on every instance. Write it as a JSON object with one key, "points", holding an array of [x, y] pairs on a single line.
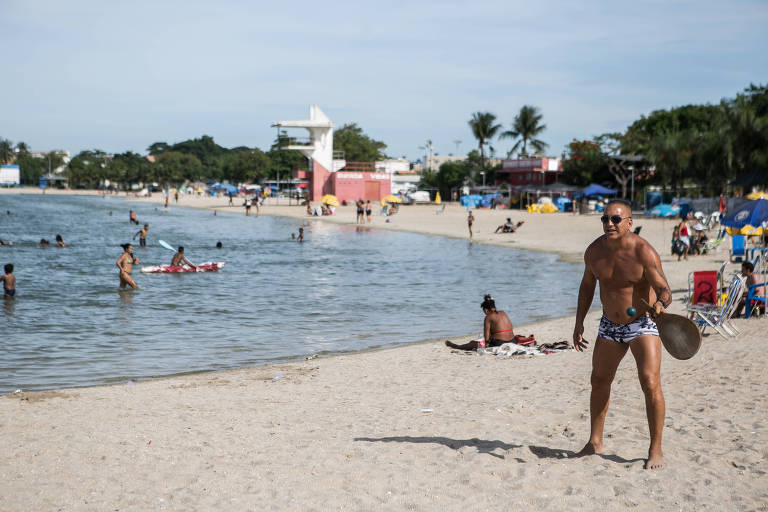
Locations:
{"points": [[529, 171]]}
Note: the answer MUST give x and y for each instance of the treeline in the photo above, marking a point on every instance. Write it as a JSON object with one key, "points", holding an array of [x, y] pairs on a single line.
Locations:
{"points": [[702, 148], [191, 160]]}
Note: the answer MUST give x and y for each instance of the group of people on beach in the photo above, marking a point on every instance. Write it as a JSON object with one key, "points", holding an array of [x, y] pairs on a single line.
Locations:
{"points": [[363, 211], [686, 240]]}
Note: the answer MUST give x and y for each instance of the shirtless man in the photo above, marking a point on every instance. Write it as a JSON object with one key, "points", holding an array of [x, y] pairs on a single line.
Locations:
{"points": [[497, 328], [179, 260], [470, 221], [125, 263], [628, 270], [142, 234]]}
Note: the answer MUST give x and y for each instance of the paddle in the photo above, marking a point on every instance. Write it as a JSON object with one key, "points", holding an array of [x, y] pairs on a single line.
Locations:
{"points": [[166, 245], [678, 334]]}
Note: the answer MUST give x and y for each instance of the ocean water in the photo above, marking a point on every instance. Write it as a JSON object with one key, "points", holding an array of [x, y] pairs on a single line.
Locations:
{"points": [[345, 289]]}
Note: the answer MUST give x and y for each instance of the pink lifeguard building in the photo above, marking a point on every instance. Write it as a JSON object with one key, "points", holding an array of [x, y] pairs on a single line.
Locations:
{"points": [[329, 172]]}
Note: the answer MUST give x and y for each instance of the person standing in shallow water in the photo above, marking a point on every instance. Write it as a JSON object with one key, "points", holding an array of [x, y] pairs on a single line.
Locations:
{"points": [[470, 221], [628, 269], [125, 263]]}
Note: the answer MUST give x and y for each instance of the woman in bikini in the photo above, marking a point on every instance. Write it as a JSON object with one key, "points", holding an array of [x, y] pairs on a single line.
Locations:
{"points": [[497, 328]]}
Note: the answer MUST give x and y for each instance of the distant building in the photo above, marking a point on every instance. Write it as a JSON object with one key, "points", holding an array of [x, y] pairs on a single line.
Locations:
{"points": [[327, 174], [9, 175], [530, 171]]}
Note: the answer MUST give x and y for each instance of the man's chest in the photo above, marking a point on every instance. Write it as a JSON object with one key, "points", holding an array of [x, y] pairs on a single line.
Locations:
{"points": [[617, 268]]}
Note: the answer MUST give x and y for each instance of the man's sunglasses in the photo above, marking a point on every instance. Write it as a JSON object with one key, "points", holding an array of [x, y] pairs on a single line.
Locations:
{"points": [[616, 219]]}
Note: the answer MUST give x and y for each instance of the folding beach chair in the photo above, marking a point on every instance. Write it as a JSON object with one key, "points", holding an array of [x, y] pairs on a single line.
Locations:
{"points": [[703, 288], [718, 317], [738, 248]]}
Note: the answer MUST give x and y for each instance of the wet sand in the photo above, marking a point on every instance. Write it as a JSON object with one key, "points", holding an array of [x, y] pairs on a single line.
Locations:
{"points": [[419, 427]]}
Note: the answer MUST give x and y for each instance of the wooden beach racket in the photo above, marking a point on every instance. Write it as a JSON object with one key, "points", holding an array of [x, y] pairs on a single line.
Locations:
{"points": [[678, 334]]}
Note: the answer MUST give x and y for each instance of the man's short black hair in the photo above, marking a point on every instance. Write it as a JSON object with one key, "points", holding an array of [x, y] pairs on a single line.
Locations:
{"points": [[748, 265], [8, 268], [181, 249]]}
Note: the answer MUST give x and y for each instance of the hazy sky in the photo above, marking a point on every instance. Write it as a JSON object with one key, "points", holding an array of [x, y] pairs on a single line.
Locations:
{"points": [[120, 76]]}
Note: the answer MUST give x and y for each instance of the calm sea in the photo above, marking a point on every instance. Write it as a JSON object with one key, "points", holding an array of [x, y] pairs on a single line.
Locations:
{"points": [[345, 289]]}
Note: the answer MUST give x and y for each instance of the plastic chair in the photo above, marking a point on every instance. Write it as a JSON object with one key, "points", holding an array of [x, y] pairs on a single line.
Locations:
{"points": [[738, 248], [718, 317], [753, 301]]}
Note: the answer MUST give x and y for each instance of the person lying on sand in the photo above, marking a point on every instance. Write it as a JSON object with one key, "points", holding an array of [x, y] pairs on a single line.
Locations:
{"points": [[509, 226], [497, 328]]}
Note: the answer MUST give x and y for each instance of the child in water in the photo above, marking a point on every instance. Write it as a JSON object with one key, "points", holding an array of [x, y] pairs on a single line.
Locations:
{"points": [[9, 282]]}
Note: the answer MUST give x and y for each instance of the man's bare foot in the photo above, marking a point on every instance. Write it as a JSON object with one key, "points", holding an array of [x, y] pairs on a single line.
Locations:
{"points": [[655, 460], [590, 449]]}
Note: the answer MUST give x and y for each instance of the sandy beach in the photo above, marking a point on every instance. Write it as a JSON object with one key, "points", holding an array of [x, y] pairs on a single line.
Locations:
{"points": [[419, 427]]}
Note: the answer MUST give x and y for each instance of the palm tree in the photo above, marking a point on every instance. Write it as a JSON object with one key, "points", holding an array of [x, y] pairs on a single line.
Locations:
{"points": [[526, 127], [6, 151], [483, 129], [22, 148]]}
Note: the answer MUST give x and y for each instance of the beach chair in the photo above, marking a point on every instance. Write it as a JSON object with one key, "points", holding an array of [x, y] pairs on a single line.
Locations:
{"points": [[703, 288], [713, 244], [754, 302], [738, 248], [718, 317], [440, 209]]}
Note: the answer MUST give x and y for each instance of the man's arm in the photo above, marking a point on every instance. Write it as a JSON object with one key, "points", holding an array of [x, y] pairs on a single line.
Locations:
{"points": [[655, 275], [189, 262], [586, 294]]}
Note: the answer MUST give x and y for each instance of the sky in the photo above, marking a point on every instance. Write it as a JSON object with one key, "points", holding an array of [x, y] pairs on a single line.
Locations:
{"points": [[119, 76]]}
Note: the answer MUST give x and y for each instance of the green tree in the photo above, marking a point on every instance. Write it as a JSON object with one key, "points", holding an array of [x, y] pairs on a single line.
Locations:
{"points": [[356, 145], [526, 127], [173, 167], [483, 129], [248, 166], [31, 168], [6, 151], [585, 163]]}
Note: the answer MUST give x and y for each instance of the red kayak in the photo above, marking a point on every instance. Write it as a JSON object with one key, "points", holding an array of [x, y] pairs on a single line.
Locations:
{"points": [[208, 266]]}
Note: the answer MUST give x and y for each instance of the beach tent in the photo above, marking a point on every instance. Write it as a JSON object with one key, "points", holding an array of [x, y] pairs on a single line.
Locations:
{"points": [[665, 210], [596, 190], [748, 219], [487, 200], [562, 203], [471, 201]]}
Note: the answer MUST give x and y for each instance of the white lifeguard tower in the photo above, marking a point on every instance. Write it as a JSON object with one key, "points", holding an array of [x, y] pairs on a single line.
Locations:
{"points": [[318, 149], [329, 173]]}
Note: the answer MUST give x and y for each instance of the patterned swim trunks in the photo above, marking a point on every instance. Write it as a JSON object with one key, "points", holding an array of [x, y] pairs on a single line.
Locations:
{"points": [[624, 333]]}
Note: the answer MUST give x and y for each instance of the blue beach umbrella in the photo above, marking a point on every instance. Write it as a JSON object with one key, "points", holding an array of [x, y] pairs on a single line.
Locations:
{"points": [[749, 219]]}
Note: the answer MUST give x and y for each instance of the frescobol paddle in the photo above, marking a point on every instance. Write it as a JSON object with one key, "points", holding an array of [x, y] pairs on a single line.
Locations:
{"points": [[678, 334]]}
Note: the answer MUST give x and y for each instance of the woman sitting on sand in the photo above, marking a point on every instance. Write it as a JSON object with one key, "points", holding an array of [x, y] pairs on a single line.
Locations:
{"points": [[497, 328]]}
